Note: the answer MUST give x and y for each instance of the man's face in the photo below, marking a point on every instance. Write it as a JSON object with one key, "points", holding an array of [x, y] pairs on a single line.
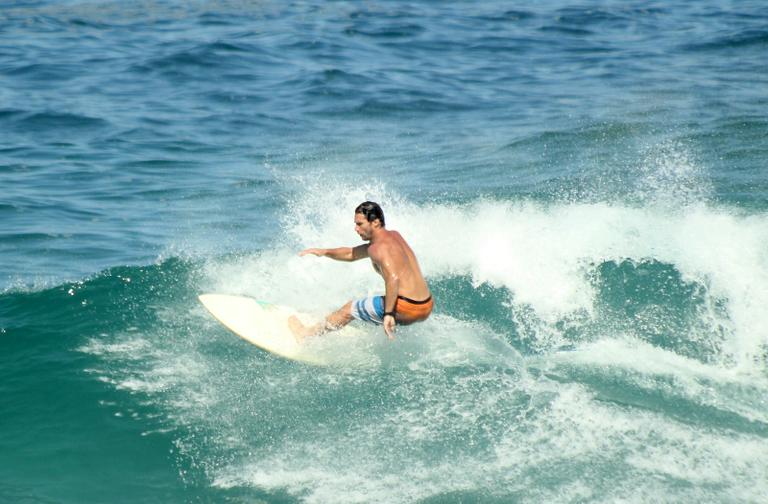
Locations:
{"points": [[363, 227]]}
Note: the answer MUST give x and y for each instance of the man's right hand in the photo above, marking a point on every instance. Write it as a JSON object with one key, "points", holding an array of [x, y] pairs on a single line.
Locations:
{"points": [[315, 251], [389, 326]]}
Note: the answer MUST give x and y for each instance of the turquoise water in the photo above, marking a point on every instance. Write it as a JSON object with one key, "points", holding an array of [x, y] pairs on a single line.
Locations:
{"points": [[583, 183]]}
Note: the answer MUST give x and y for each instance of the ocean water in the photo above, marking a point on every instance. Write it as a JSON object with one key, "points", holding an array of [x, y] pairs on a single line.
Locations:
{"points": [[584, 184]]}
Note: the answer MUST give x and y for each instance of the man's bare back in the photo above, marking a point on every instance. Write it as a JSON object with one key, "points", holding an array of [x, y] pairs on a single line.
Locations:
{"points": [[392, 250], [407, 298]]}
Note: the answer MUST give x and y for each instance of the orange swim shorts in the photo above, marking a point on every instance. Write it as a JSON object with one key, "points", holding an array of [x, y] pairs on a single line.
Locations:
{"points": [[409, 311]]}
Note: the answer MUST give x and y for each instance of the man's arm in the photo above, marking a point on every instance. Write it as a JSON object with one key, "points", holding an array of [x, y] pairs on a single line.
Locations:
{"points": [[339, 254]]}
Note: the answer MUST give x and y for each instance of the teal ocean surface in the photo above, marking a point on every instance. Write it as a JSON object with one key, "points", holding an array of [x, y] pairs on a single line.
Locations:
{"points": [[584, 184]]}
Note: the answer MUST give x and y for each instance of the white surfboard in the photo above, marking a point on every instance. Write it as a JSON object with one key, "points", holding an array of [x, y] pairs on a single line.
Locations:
{"points": [[263, 324]]}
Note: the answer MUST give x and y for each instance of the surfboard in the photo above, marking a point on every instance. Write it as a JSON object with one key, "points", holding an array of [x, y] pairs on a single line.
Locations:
{"points": [[262, 324]]}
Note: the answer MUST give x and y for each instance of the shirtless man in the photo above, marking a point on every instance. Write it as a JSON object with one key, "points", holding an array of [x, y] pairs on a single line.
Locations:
{"points": [[407, 298]]}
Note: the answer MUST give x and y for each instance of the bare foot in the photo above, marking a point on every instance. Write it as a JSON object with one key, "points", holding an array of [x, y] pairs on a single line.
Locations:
{"points": [[297, 328]]}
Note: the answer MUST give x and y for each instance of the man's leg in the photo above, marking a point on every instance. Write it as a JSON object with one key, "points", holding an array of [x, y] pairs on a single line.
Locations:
{"points": [[332, 322]]}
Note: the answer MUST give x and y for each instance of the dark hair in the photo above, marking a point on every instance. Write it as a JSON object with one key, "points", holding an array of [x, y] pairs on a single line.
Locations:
{"points": [[371, 211]]}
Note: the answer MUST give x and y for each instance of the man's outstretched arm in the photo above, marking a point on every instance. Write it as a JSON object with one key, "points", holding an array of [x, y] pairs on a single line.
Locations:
{"points": [[339, 254]]}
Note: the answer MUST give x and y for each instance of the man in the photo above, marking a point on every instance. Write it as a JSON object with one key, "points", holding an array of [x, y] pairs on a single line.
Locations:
{"points": [[407, 298]]}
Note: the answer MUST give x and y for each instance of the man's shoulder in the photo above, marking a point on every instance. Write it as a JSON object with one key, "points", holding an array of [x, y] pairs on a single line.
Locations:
{"points": [[388, 244]]}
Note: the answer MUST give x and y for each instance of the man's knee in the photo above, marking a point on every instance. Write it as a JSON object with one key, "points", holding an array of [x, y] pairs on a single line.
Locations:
{"points": [[340, 317], [346, 310]]}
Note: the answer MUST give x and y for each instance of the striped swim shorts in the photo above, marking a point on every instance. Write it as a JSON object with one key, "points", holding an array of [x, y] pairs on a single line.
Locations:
{"points": [[370, 309]]}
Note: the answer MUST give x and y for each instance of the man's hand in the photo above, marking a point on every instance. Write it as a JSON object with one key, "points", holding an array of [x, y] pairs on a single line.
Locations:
{"points": [[316, 251], [389, 326]]}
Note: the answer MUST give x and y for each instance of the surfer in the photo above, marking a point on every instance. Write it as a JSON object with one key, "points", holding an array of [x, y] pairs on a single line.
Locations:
{"points": [[407, 298]]}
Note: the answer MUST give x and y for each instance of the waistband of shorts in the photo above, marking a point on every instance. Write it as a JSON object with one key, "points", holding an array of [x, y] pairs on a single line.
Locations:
{"points": [[408, 300]]}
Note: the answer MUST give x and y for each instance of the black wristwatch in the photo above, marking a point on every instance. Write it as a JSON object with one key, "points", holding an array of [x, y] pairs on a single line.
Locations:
{"points": [[389, 313]]}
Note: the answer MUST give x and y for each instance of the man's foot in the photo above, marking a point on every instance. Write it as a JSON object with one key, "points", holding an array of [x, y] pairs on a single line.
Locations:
{"points": [[297, 328], [301, 332]]}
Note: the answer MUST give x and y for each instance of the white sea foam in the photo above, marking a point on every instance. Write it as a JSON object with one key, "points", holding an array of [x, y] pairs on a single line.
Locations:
{"points": [[131, 348], [618, 440], [452, 407], [544, 254], [589, 449]]}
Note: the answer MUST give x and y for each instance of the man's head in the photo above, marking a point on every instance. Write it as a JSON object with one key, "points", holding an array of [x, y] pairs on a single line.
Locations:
{"points": [[368, 217]]}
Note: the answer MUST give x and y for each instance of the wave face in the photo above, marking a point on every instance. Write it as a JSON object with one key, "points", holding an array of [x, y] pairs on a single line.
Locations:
{"points": [[571, 343], [584, 187]]}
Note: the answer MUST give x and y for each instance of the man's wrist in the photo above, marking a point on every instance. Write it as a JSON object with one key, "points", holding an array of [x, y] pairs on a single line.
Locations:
{"points": [[390, 313]]}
